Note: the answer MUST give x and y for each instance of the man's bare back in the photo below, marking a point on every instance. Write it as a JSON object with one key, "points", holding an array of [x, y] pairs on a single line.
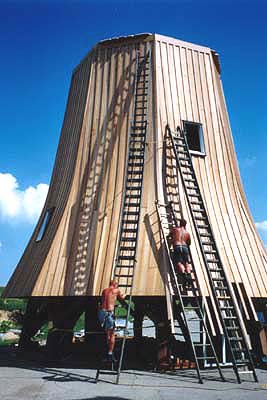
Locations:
{"points": [[180, 236], [109, 297]]}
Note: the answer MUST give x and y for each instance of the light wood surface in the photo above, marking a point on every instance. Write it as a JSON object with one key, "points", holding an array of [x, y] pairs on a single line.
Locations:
{"points": [[76, 255]]}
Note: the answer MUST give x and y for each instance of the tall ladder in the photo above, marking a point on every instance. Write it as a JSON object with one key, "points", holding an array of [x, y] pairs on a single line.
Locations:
{"points": [[124, 268], [202, 351], [221, 287]]}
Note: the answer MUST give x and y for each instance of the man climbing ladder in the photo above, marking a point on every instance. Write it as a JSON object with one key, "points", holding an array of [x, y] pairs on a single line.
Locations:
{"points": [[181, 241], [106, 315]]}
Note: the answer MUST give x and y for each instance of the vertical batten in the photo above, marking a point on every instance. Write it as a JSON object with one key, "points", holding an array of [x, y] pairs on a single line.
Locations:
{"points": [[78, 251]]}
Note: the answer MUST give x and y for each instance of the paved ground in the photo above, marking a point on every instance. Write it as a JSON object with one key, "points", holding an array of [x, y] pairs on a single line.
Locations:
{"points": [[22, 380]]}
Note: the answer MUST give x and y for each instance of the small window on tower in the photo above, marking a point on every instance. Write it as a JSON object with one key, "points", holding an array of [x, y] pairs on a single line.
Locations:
{"points": [[44, 224], [194, 135]]}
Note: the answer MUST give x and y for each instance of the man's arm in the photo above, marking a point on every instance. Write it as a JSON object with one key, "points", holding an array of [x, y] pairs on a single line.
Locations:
{"points": [[189, 240], [121, 296]]}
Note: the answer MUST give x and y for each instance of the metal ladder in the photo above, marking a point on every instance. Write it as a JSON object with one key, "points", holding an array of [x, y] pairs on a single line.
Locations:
{"points": [[201, 351], [220, 285], [124, 268]]}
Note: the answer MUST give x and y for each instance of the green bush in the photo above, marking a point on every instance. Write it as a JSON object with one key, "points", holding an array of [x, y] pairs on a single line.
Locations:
{"points": [[5, 326], [12, 304]]}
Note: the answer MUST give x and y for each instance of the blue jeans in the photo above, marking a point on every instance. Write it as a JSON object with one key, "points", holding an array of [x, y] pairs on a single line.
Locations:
{"points": [[106, 319]]}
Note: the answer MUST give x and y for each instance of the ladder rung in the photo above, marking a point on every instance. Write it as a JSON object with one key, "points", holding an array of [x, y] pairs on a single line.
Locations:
{"points": [[123, 276], [132, 196], [245, 372], [127, 248], [189, 180], [124, 266], [138, 128], [137, 149], [126, 221], [205, 235], [239, 350], [203, 226], [195, 319], [134, 164], [131, 213], [221, 288], [129, 230], [198, 210], [136, 157], [184, 158], [242, 362], [128, 187], [215, 270], [126, 257], [140, 95], [127, 239], [134, 180], [200, 218], [125, 285], [134, 173]]}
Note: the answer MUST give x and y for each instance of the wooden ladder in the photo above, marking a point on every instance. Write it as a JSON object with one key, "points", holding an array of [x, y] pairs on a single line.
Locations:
{"points": [[221, 287], [125, 262], [202, 351]]}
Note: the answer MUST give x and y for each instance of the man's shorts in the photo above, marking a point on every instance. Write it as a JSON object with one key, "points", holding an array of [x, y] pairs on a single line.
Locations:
{"points": [[106, 319], [181, 254]]}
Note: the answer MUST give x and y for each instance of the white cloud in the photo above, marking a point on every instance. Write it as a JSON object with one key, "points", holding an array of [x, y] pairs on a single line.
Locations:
{"points": [[262, 225], [1, 245], [17, 204]]}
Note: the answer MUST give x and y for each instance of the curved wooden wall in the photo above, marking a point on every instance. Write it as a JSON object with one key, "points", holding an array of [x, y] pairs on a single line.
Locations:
{"points": [[77, 253], [30, 267]]}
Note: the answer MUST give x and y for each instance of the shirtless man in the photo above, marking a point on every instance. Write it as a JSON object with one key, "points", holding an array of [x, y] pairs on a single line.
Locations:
{"points": [[106, 314], [181, 240]]}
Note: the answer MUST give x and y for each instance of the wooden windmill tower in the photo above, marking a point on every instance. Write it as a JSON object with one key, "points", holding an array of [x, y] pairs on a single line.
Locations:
{"points": [[146, 139]]}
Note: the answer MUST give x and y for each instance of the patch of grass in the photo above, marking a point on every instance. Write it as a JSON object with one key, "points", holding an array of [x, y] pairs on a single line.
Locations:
{"points": [[12, 304], [80, 323], [7, 342]]}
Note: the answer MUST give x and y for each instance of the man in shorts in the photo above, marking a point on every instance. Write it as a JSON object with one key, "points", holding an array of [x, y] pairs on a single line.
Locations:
{"points": [[106, 314], [181, 241]]}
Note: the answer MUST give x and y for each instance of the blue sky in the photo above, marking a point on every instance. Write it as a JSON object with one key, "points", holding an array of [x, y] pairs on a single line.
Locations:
{"points": [[42, 41]]}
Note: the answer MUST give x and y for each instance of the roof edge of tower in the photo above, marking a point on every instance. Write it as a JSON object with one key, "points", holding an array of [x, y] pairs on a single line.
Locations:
{"points": [[182, 43], [117, 41], [146, 36]]}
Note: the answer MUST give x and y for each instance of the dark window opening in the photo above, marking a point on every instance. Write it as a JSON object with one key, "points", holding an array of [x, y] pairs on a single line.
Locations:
{"points": [[194, 135], [44, 224]]}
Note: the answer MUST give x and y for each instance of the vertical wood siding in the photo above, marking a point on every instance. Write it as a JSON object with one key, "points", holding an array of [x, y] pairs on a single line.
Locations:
{"points": [[77, 253]]}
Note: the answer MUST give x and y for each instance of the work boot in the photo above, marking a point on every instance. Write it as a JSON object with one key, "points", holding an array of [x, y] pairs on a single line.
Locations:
{"points": [[188, 281], [111, 358]]}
